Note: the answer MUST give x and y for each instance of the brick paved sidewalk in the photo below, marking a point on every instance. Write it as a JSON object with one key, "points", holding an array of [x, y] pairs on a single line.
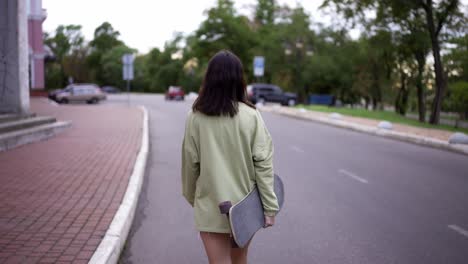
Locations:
{"points": [[58, 197]]}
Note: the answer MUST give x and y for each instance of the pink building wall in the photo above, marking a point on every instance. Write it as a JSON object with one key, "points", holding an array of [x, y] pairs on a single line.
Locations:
{"points": [[39, 78], [36, 16], [35, 36]]}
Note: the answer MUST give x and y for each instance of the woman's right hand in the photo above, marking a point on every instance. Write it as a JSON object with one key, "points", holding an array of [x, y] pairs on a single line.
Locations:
{"points": [[269, 221]]}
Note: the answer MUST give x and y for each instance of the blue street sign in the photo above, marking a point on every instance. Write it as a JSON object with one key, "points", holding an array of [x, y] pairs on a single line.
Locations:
{"points": [[127, 70], [259, 66]]}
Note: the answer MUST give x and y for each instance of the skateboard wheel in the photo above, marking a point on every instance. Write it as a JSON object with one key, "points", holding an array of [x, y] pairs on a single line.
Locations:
{"points": [[224, 207]]}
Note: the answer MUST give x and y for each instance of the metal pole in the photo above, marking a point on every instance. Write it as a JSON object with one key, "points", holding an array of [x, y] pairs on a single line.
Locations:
{"points": [[128, 92], [298, 75]]}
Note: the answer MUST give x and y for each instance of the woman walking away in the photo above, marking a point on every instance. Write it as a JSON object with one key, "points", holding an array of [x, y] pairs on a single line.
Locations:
{"points": [[227, 149]]}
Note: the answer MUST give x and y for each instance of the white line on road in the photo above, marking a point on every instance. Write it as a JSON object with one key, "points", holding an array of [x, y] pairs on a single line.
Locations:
{"points": [[353, 176], [297, 149], [459, 230]]}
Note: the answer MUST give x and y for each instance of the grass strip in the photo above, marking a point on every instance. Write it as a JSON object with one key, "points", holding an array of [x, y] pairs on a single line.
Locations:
{"points": [[379, 115]]}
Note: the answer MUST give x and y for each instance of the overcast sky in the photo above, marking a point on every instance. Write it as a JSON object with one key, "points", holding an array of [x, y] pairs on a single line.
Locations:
{"points": [[144, 24]]}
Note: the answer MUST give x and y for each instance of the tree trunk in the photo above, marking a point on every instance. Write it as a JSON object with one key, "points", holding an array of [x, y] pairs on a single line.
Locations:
{"points": [[401, 102], [438, 67], [397, 102], [374, 103], [376, 93], [404, 101], [420, 58]]}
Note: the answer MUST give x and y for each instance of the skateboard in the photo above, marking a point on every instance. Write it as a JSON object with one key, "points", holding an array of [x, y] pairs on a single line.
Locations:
{"points": [[246, 217]]}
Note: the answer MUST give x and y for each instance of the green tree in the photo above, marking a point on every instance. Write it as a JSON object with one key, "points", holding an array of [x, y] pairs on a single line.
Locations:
{"points": [[105, 39], [140, 81], [297, 40], [223, 29], [265, 32], [265, 13], [437, 15], [111, 66], [403, 66], [333, 65], [65, 41], [458, 99], [165, 68], [419, 46], [457, 58], [414, 42], [381, 60], [75, 66]]}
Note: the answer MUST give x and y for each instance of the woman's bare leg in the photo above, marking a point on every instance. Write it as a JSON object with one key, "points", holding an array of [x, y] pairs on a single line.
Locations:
{"points": [[217, 247], [239, 255]]}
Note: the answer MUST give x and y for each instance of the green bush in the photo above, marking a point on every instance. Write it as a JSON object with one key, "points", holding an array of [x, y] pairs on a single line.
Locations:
{"points": [[457, 100], [54, 76]]}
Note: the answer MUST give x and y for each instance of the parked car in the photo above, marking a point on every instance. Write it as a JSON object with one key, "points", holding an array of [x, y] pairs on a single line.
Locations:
{"points": [[89, 93], [175, 93], [110, 89], [262, 93], [53, 94]]}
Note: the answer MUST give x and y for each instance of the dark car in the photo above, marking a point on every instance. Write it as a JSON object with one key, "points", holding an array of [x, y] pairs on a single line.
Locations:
{"points": [[262, 93], [110, 89], [175, 93]]}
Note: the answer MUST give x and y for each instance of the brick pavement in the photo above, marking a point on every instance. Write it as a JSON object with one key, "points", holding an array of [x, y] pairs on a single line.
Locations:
{"points": [[58, 197]]}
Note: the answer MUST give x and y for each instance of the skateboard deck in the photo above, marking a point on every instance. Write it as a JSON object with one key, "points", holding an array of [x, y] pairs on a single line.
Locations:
{"points": [[247, 217]]}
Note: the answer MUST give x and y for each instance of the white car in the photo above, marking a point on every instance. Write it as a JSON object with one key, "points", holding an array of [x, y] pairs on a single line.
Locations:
{"points": [[89, 93]]}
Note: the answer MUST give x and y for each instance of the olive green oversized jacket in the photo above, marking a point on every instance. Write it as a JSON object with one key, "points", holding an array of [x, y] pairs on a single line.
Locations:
{"points": [[222, 159]]}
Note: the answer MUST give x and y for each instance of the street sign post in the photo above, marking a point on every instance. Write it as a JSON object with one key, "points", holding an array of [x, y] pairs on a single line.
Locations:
{"points": [[259, 66], [127, 60], [127, 71]]}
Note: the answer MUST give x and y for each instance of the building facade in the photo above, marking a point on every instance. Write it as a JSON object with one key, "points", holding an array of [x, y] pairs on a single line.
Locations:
{"points": [[36, 16]]}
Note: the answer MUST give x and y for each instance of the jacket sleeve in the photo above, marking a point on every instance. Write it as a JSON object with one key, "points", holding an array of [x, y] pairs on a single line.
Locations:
{"points": [[190, 161], [263, 163]]}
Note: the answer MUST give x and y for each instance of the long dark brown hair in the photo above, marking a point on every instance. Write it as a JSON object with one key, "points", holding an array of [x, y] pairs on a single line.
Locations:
{"points": [[223, 87]]}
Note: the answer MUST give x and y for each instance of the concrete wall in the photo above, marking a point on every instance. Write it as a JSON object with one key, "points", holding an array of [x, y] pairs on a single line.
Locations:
{"points": [[39, 79], [14, 87]]}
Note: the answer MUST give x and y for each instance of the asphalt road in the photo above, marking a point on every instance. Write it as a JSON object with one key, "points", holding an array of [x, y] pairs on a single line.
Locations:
{"points": [[350, 198]]}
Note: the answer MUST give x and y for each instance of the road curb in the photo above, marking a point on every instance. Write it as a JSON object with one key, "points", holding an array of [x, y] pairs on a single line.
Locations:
{"points": [[108, 251], [411, 138]]}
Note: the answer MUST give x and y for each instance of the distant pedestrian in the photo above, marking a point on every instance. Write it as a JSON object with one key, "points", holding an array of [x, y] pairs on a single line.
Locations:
{"points": [[226, 150]]}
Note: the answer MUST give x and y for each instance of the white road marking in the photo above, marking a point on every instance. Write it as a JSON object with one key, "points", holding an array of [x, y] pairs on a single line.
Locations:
{"points": [[353, 176], [297, 149], [459, 230]]}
